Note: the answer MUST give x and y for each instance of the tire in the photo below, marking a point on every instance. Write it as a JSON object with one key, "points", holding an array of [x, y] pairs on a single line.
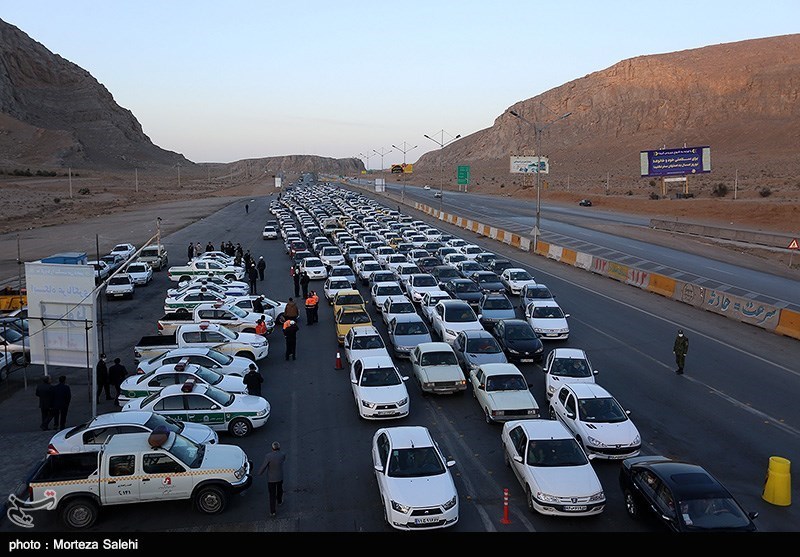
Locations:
{"points": [[249, 355], [211, 499], [184, 278], [631, 505], [240, 427], [487, 417], [182, 311], [231, 277], [529, 499], [79, 513]]}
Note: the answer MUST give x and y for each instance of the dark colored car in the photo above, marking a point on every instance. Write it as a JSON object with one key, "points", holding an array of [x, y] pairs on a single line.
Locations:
{"points": [[518, 340], [426, 264], [498, 265], [464, 289], [682, 497], [443, 273], [488, 281], [485, 259], [585, 202]]}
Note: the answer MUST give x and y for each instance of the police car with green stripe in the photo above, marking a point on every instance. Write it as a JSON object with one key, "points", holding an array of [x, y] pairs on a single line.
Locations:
{"points": [[203, 267], [238, 414], [140, 386]]}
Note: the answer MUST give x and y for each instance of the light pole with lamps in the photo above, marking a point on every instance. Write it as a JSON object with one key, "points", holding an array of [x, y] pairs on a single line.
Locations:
{"points": [[404, 150], [366, 156], [441, 145], [538, 130], [382, 152]]}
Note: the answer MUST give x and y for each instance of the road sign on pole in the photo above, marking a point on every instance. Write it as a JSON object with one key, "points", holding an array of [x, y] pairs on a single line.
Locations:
{"points": [[463, 175], [793, 244]]}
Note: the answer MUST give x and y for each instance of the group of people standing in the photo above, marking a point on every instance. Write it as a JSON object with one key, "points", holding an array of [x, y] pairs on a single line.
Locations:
{"points": [[54, 402]]}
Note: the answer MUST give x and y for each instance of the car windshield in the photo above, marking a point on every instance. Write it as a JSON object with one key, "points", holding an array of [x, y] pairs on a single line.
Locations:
{"points": [[119, 280], [227, 332], [538, 293], [547, 312], [712, 513], [342, 272], [506, 383], [350, 300], [497, 303], [520, 333], [223, 398], [354, 318], [402, 307], [380, 377], [410, 328], [462, 287], [520, 275], [572, 367], [438, 359], [555, 452], [370, 342], [137, 268], [415, 462], [460, 315], [157, 420], [601, 410], [425, 280], [470, 266], [484, 278], [392, 290], [187, 451], [339, 284], [219, 357], [370, 266], [329, 251], [482, 346], [310, 262], [210, 377], [237, 311]]}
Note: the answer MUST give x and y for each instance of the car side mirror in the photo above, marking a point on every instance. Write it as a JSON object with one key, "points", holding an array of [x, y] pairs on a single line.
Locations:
{"points": [[215, 407], [595, 372], [451, 463], [517, 458], [379, 468], [354, 381], [480, 316], [405, 377], [566, 315]]}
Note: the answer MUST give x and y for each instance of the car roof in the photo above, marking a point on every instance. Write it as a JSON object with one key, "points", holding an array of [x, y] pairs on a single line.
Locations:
{"points": [[364, 330], [453, 303], [406, 317], [684, 478], [477, 333], [512, 269], [434, 347], [544, 303], [376, 361], [569, 353], [541, 428], [500, 369], [588, 390], [409, 436], [515, 323], [133, 417]]}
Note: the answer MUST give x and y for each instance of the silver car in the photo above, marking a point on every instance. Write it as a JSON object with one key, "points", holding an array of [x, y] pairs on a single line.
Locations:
{"points": [[475, 348], [406, 331]]}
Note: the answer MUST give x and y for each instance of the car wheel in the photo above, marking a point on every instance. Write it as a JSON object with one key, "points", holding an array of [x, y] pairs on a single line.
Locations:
{"points": [[529, 499], [419, 382], [79, 513], [486, 416], [631, 506], [182, 311], [240, 427], [211, 500], [249, 355], [184, 278]]}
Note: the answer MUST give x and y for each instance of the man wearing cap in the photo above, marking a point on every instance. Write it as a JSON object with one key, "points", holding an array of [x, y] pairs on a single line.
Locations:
{"points": [[261, 266], [273, 466], [314, 306], [253, 379], [290, 332], [252, 275], [680, 348]]}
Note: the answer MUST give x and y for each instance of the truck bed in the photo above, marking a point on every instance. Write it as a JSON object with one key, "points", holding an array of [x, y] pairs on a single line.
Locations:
{"points": [[182, 317], [155, 341], [66, 467]]}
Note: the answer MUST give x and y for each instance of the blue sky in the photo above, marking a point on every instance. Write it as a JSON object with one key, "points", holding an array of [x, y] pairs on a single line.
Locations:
{"points": [[224, 81]]}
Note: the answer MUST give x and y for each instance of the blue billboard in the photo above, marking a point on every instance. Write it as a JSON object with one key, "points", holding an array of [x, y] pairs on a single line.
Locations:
{"points": [[676, 162]]}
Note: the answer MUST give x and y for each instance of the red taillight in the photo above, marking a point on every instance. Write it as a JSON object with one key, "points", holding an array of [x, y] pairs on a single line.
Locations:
{"points": [[160, 326], [51, 449], [139, 371]]}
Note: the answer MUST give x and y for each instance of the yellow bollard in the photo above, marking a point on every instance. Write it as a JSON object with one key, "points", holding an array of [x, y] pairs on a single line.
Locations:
{"points": [[778, 486]]}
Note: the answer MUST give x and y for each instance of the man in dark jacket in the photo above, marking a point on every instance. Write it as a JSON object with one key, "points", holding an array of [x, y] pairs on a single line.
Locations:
{"points": [[295, 272], [304, 280], [253, 380], [680, 348], [252, 276], [44, 391], [261, 266], [62, 395], [290, 332], [102, 378], [190, 251], [116, 375]]}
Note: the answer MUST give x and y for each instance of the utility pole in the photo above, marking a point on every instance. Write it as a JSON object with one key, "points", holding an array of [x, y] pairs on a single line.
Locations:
{"points": [[383, 152], [70, 182], [404, 150], [441, 145]]}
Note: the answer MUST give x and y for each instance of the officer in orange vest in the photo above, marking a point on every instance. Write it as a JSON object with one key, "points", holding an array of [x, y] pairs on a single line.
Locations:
{"points": [[315, 306], [310, 308], [261, 326]]}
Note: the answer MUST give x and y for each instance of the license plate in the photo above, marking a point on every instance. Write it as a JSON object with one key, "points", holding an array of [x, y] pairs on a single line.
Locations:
{"points": [[384, 412], [575, 508], [427, 520], [551, 335], [526, 360]]}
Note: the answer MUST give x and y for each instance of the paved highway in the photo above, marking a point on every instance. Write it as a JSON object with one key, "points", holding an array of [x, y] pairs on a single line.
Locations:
{"points": [[734, 408]]}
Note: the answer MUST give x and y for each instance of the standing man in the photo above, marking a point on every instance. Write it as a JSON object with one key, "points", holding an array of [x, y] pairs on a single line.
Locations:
{"points": [[304, 280], [248, 259], [314, 306], [102, 378], [209, 246], [680, 348], [258, 305], [273, 466], [253, 380], [291, 312], [44, 391], [116, 375], [261, 266], [309, 309], [62, 395], [290, 332], [252, 275], [198, 249], [296, 278], [190, 251], [261, 326], [246, 208]]}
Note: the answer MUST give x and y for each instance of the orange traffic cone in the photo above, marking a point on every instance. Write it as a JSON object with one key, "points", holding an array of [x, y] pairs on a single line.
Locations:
{"points": [[505, 519], [338, 361]]}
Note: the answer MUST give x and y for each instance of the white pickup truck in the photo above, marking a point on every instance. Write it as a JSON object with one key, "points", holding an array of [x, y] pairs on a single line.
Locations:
{"points": [[139, 468], [203, 267], [232, 316], [210, 335]]}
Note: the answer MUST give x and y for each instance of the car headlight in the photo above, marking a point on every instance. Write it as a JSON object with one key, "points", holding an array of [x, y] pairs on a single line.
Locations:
{"points": [[451, 503], [399, 507], [239, 474], [402, 402], [599, 496], [637, 440], [594, 441], [551, 389], [546, 497], [262, 412], [513, 351], [449, 332], [539, 330], [540, 349], [368, 404]]}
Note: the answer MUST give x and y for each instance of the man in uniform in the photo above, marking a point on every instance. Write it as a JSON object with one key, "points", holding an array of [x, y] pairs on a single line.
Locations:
{"points": [[680, 348], [314, 306], [261, 266], [310, 308]]}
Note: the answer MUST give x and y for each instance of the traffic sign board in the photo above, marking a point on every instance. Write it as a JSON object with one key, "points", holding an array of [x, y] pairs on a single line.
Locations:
{"points": [[463, 174], [793, 244]]}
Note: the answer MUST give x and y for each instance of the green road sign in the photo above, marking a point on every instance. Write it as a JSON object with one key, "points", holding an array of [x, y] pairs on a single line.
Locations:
{"points": [[463, 175]]}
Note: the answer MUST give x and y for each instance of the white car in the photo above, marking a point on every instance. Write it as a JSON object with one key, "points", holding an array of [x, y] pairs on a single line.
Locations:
{"points": [[419, 284], [395, 260], [429, 300], [90, 436], [451, 316], [186, 302], [597, 421], [210, 279], [552, 468], [381, 291], [101, 270], [363, 341], [269, 233], [236, 414], [125, 251], [378, 388], [333, 285], [314, 267], [120, 286], [396, 305], [566, 365], [453, 259], [548, 320], [138, 386], [331, 256], [141, 273], [198, 355], [436, 369], [416, 487], [406, 331], [366, 268], [471, 250], [515, 279], [382, 252], [426, 188], [404, 272], [343, 271], [503, 393], [231, 289]]}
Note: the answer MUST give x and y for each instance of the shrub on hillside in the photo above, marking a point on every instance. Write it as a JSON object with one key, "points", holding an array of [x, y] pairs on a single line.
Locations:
{"points": [[720, 190]]}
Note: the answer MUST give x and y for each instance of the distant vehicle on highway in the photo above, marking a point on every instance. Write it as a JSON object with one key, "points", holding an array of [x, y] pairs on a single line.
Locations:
{"points": [[585, 202]]}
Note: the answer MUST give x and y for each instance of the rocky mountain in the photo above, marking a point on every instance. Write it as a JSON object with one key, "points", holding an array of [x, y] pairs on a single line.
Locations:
{"points": [[741, 99]]}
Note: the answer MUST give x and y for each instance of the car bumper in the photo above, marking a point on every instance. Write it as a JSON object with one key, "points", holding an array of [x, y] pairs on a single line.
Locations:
{"points": [[444, 388], [383, 413], [525, 358], [555, 509], [402, 521], [552, 335], [612, 453]]}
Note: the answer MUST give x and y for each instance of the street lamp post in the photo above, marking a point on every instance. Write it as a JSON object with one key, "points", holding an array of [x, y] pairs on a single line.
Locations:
{"points": [[441, 145], [538, 130], [404, 151], [383, 152], [366, 156]]}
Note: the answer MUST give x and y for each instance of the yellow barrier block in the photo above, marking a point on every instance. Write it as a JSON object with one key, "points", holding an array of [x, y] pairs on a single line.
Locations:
{"points": [[661, 285], [543, 248], [569, 256], [515, 240], [789, 324], [778, 486], [475, 226]]}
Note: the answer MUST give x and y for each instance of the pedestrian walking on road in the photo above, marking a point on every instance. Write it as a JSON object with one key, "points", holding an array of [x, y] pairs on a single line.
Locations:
{"points": [[252, 275], [296, 278], [102, 378], [262, 267], [253, 380], [190, 251], [116, 375], [62, 395], [246, 208], [273, 466], [290, 329], [304, 280], [44, 391], [680, 348]]}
